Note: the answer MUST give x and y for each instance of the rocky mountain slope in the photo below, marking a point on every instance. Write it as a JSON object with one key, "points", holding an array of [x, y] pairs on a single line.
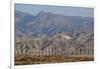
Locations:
{"points": [[53, 34], [49, 23]]}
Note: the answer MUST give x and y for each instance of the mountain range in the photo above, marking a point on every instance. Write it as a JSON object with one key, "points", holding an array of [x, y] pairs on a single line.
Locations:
{"points": [[50, 23], [56, 32]]}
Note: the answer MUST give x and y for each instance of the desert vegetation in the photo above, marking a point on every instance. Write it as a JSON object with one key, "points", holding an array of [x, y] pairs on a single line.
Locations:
{"points": [[44, 59]]}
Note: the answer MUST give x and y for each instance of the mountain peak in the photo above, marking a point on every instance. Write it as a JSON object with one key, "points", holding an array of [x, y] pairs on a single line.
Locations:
{"points": [[49, 23], [44, 13]]}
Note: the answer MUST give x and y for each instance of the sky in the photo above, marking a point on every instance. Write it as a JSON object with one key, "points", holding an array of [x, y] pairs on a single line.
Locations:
{"points": [[64, 10]]}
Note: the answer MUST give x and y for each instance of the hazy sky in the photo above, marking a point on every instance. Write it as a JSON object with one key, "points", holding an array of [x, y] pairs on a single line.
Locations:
{"points": [[65, 10]]}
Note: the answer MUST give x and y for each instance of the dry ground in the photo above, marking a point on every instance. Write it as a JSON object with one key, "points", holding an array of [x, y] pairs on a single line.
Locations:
{"points": [[23, 60]]}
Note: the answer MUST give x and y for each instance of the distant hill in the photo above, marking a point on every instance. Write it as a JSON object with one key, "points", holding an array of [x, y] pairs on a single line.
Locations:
{"points": [[49, 23]]}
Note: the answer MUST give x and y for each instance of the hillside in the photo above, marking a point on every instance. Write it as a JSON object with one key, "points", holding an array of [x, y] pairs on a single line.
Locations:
{"points": [[49, 23]]}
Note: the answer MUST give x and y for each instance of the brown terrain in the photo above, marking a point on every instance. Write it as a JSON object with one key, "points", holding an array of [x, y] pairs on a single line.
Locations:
{"points": [[55, 49], [23, 60]]}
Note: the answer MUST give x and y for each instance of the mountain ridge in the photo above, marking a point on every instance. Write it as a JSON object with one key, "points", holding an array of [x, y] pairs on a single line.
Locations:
{"points": [[50, 23]]}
